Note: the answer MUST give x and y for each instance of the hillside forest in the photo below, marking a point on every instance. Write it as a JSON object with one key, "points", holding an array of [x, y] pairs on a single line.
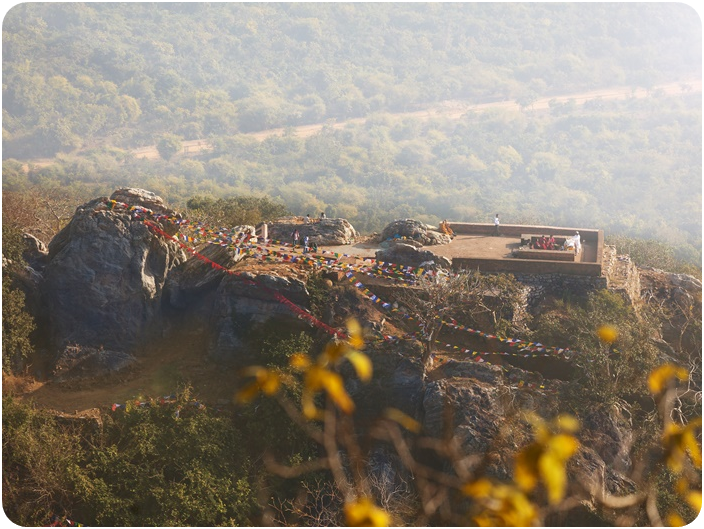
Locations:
{"points": [[84, 85], [248, 385]]}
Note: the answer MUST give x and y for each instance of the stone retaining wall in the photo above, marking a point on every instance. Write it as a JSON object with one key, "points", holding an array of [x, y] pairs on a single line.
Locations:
{"points": [[541, 285], [622, 275], [619, 274], [527, 266]]}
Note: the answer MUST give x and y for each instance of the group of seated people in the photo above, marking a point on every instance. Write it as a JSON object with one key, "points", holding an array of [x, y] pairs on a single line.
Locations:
{"points": [[544, 243], [445, 228]]}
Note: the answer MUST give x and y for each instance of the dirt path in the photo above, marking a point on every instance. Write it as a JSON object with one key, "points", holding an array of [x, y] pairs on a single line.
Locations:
{"points": [[455, 109], [162, 367], [450, 109]]}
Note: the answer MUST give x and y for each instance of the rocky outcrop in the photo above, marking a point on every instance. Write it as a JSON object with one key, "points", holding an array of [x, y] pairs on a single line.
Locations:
{"points": [[196, 277], [472, 408], [245, 302], [668, 284], [328, 232], [406, 387], [622, 276], [407, 255], [81, 362], [142, 197], [414, 230], [35, 252], [105, 275], [477, 403], [610, 434]]}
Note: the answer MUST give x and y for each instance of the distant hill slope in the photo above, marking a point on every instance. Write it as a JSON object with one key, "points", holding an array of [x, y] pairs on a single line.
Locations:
{"points": [[130, 72], [450, 109]]}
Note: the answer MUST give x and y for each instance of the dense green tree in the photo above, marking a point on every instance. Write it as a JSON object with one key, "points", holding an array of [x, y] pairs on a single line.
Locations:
{"points": [[631, 167], [17, 323], [39, 463], [606, 371], [168, 146], [235, 211]]}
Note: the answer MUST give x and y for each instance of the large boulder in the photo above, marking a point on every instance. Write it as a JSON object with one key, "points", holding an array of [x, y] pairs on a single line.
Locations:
{"points": [[243, 303], [408, 255], [141, 197], [477, 414], [415, 231], [328, 232], [195, 277], [475, 402], [105, 275], [406, 387], [78, 362], [35, 252]]}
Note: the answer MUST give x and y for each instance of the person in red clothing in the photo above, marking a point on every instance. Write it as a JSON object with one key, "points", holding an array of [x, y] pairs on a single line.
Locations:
{"points": [[551, 242]]}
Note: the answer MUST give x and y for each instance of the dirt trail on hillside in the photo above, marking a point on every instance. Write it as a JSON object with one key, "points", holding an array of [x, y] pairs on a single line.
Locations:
{"points": [[163, 366], [450, 109]]}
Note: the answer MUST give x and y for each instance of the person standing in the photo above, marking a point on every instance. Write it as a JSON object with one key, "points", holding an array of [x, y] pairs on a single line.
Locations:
{"points": [[295, 236], [577, 243], [496, 225]]}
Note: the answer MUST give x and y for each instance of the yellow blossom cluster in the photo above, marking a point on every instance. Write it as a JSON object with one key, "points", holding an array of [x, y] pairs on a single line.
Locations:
{"points": [[502, 505], [364, 513], [318, 375], [546, 458]]}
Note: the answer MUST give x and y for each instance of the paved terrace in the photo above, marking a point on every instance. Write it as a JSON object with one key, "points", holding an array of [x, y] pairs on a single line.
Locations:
{"points": [[475, 246]]}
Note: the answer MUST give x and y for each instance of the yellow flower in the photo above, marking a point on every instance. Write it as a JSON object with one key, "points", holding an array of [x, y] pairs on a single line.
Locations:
{"points": [[675, 520], [546, 458], [500, 505], [607, 333], [362, 365], [694, 498], [661, 376], [299, 361], [566, 423], [354, 331], [336, 351], [265, 380], [318, 378], [404, 420], [363, 513], [679, 441]]}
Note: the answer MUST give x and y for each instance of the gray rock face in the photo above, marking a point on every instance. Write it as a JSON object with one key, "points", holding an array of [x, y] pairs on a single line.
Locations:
{"points": [[35, 252], [196, 277], [105, 275], [406, 387], [405, 254], [142, 197], [610, 434], [330, 232], [686, 282], [476, 414], [246, 301], [77, 362], [415, 230], [488, 373]]}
